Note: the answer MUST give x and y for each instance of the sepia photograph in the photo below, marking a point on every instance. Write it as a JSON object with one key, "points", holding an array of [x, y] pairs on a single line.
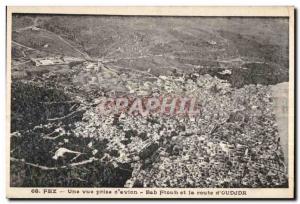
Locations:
{"points": [[150, 102]]}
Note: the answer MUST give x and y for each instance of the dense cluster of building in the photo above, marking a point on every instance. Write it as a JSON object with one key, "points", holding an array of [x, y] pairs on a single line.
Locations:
{"points": [[234, 142]]}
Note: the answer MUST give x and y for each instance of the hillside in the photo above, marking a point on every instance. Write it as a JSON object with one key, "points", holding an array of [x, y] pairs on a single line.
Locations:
{"points": [[175, 43]]}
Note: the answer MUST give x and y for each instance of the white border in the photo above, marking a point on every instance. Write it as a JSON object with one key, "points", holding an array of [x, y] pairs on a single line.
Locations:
{"points": [[3, 3]]}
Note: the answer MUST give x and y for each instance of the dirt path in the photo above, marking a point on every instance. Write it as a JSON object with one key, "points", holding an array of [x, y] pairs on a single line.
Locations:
{"points": [[85, 55], [29, 48], [34, 26]]}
